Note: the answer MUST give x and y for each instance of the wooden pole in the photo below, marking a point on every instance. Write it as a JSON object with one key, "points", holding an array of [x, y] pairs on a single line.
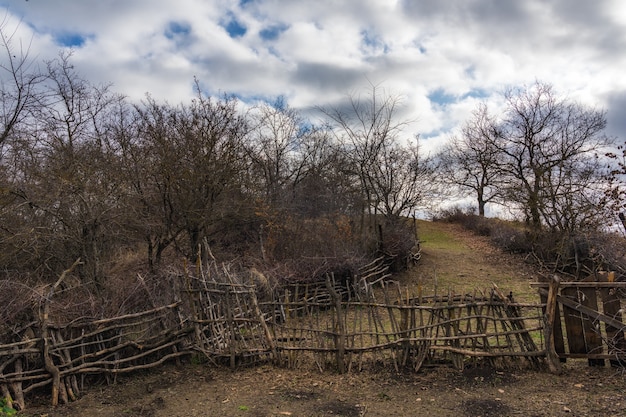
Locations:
{"points": [[340, 336], [52, 369], [553, 360]]}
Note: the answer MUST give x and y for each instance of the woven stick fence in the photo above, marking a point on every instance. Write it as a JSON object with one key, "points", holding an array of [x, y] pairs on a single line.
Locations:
{"points": [[68, 354], [339, 325], [408, 331], [344, 325]]}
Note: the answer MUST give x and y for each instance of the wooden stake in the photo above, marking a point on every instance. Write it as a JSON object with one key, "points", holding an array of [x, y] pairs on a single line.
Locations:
{"points": [[553, 360], [57, 389]]}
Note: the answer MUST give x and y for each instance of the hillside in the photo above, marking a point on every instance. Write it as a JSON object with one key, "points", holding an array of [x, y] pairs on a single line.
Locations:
{"points": [[455, 258], [452, 259]]}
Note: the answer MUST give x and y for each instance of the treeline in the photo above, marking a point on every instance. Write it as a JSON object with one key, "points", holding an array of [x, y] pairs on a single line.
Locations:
{"points": [[86, 173], [546, 161]]}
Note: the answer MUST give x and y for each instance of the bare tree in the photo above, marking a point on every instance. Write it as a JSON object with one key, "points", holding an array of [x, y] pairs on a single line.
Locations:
{"points": [[274, 146], [64, 183], [19, 82], [392, 176], [546, 147], [471, 161], [190, 162]]}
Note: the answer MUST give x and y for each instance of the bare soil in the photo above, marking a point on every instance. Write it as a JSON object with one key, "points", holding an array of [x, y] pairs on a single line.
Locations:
{"points": [[436, 390]]}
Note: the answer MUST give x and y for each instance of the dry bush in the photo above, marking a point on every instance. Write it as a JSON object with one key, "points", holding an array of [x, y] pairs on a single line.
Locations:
{"points": [[509, 237], [305, 249], [130, 286], [398, 241], [454, 214], [601, 250], [578, 253], [18, 306]]}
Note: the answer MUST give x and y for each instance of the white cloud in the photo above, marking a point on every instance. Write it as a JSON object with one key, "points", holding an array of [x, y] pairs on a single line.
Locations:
{"points": [[315, 53]]}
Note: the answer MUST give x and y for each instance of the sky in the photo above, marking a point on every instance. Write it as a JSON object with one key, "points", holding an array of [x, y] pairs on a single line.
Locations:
{"points": [[441, 57]]}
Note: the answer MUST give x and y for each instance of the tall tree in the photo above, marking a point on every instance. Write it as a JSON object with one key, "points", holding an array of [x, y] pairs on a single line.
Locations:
{"points": [[191, 159], [20, 80], [65, 183], [274, 146], [547, 146], [393, 177], [471, 161]]}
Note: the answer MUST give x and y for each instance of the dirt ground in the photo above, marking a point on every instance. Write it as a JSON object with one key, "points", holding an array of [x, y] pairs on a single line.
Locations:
{"points": [[199, 390], [456, 259]]}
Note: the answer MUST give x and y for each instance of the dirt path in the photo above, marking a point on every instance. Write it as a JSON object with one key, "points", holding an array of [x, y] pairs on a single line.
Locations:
{"points": [[455, 258], [452, 257]]}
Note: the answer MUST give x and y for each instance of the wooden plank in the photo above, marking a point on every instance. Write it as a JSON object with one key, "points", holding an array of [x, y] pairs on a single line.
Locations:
{"points": [[573, 320], [551, 304], [621, 358], [611, 306], [616, 343], [593, 337], [557, 330], [596, 315]]}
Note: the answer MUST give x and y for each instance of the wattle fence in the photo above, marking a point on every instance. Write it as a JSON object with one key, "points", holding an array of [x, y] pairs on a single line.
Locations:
{"points": [[329, 325]]}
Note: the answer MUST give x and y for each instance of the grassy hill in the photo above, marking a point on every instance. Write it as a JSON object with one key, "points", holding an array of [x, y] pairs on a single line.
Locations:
{"points": [[456, 259]]}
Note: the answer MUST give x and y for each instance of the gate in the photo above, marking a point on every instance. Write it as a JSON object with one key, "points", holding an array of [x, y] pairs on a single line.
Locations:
{"points": [[585, 319]]}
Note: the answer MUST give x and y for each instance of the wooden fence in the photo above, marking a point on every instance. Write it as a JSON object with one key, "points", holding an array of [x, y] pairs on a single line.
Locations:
{"points": [[343, 326], [64, 356], [585, 320], [346, 328]]}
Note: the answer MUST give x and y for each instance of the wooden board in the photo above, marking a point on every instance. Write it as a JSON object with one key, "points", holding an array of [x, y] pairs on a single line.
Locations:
{"points": [[557, 329], [591, 327], [573, 323], [615, 336]]}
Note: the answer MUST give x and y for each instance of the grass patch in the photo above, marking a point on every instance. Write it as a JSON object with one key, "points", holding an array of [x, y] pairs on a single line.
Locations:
{"points": [[432, 236]]}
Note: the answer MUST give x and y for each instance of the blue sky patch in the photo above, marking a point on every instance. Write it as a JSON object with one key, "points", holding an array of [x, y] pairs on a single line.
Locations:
{"points": [[253, 99], [476, 93], [70, 39], [440, 97], [373, 42], [175, 29], [272, 33], [234, 28]]}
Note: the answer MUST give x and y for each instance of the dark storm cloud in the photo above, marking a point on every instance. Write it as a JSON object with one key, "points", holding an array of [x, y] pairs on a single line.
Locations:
{"points": [[326, 77], [616, 115], [443, 56]]}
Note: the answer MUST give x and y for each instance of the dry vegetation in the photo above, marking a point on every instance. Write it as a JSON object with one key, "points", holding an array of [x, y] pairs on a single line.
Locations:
{"points": [[133, 194], [452, 257]]}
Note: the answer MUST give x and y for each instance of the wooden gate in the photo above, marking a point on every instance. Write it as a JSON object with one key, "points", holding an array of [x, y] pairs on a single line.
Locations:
{"points": [[585, 319]]}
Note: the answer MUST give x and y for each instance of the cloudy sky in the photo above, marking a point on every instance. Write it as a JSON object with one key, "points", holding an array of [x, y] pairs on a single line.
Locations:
{"points": [[441, 56]]}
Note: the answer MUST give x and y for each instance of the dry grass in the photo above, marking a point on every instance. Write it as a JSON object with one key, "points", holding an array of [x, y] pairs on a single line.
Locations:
{"points": [[455, 259]]}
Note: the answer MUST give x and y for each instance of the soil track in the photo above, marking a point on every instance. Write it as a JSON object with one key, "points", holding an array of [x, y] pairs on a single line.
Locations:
{"points": [[453, 257]]}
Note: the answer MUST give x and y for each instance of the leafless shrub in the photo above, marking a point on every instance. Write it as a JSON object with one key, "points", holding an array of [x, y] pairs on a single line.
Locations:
{"points": [[17, 301], [509, 238]]}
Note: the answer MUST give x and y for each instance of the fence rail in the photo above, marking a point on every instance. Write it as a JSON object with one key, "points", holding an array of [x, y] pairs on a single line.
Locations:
{"points": [[343, 326]]}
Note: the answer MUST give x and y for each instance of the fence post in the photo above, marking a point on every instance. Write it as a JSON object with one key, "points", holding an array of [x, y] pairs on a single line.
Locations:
{"points": [[553, 360], [340, 336], [268, 334], [58, 388]]}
